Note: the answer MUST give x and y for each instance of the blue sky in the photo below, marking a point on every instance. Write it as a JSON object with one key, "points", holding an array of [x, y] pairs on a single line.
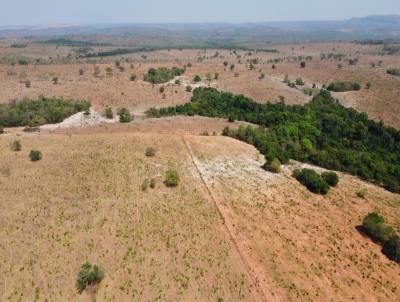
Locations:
{"points": [[44, 12]]}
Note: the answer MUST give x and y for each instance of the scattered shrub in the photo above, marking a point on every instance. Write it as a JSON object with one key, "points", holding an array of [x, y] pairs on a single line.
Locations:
{"points": [[391, 249], [88, 275], [274, 166], [55, 80], [361, 194], [171, 178], [150, 151], [162, 89], [231, 118], [108, 113], [152, 183], [374, 225], [299, 82], [133, 77], [312, 180], [124, 115], [188, 88], [394, 71], [197, 78], [16, 145], [342, 86], [303, 64], [35, 155], [28, 84], [331, 178]]}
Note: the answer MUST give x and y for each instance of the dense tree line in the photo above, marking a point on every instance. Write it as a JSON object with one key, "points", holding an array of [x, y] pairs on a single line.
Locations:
{"points": [[321, 132], [162, 75], [39, 112]]}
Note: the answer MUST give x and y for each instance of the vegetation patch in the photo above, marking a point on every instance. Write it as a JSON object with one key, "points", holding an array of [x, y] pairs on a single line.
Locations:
{"points": [[343, 86], [374, 226], [312, 180], [39, 112], [162, 75], [124, 115], [35, 155], [88, 275], [321, 132], [171, 178]]}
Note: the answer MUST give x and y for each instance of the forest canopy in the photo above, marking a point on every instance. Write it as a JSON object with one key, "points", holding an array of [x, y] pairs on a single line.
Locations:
{"points": [[321, 132]]}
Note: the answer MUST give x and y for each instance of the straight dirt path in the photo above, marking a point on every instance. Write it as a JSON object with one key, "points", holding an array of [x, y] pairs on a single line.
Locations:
{"points": [[255, 272]]}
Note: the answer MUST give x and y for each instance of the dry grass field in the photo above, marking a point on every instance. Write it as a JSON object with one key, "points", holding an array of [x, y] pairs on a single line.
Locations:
{"points": [[229, 232]]}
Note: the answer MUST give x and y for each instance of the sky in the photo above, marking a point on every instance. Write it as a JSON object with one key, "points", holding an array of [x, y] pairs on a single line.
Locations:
{"points": [[56, 12]]}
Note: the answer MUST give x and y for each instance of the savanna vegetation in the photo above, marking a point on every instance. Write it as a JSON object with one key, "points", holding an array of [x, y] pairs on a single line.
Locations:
{"points": [[322, 132], [312, 180], [394, 71], [39, 112], [162, 75]]}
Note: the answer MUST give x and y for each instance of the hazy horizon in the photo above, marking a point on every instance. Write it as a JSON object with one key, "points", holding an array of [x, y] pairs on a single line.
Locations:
{"points": [[90, 12]]}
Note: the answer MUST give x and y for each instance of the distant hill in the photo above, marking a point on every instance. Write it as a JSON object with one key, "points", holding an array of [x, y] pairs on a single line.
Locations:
{"points": [[370, 27]]}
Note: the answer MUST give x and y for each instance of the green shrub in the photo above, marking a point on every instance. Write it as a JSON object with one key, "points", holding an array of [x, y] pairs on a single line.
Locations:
{"points": [[171, 178], [197, 78], [133, 77], [374, 225], [35, 155], [312, 180], [189, 88], [1, 129], [152, 183], [124, 115], [162, 89], [342, 86], [331, 178], [16, 145], [303, 65], [299, 82], [88, 275], [361, 194], [274, 166], [391, 248], [231, 118], [394, 71], [162, 75], [108, 113], [150, 151]]}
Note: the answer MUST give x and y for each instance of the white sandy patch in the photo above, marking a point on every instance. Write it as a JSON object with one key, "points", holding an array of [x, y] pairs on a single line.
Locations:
{"points": [[80, 119]]}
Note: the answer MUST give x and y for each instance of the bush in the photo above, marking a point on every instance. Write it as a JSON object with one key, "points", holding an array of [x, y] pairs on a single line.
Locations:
{"points": [[274, 166], [391, 248], [162, 89], [299, 82], [231, 118], [152, 183], [189, 88], [88, 275], [361, 194], [150, 151], [1, 129], [197, 78], [342, 86], [303, 65], [35, 155], [133, 77], [331, 178], [124, 115], [16, 145], [312, 180], [108, 113], [171, 178], [374, 225], [394, 71]]}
